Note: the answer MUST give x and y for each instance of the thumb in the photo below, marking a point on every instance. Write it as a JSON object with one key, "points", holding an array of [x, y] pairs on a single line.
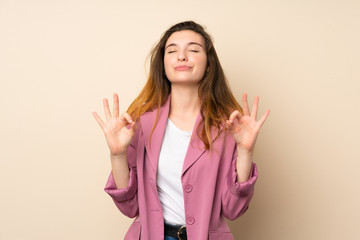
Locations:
{"points": [[133, 127]]}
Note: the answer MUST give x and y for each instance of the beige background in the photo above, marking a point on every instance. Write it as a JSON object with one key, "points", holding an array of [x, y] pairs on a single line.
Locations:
{"points": [[59, 58]]}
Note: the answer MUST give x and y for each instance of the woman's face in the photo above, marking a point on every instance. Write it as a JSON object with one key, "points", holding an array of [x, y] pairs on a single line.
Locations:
{"points": [[185, 57]]}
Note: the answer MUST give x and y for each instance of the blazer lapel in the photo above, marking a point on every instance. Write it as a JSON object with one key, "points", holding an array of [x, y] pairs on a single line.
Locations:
{"points": [[196, 147], [147, 121]]}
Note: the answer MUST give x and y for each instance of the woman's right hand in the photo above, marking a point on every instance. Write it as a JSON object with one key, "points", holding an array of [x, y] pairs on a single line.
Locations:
{"points": [[118, 136]]}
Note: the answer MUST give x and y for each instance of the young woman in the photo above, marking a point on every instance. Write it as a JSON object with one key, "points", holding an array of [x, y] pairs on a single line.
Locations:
{"points": [[181, 155]]}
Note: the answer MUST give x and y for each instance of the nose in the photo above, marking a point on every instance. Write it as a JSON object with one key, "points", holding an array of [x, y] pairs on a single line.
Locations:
{"points": [[182, 55]]}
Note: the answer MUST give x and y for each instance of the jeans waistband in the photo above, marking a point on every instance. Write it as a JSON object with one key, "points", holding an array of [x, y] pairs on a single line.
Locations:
{"points": [[175, 231]]}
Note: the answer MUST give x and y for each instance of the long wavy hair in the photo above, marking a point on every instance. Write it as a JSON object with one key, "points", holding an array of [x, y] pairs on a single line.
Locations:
{"points": [[217, 99]]}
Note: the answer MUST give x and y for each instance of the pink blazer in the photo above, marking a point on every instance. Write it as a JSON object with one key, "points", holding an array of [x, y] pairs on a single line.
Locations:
{"points": [[211, 192]]}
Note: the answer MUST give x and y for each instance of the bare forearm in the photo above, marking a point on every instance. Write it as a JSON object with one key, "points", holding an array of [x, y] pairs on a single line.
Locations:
{"points": [[120, 170], [243, 165]]}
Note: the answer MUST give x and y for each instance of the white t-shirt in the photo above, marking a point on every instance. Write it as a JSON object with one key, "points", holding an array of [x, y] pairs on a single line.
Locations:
{"points": [[171, 160]]}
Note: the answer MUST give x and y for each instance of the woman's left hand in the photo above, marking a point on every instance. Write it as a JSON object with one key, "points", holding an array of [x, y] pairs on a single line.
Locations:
{"points": [[245, 128]]}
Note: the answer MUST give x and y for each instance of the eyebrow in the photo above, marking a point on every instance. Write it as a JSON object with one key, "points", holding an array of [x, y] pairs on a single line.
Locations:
{"points": [[190, 43]]}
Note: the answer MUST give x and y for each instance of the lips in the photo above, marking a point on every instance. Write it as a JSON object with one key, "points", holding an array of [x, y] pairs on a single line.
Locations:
{"points": [[182, 68]]}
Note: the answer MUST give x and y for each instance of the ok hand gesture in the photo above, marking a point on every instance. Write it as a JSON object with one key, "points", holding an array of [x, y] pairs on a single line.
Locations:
{"points": [[118, 136], [245, 128]]}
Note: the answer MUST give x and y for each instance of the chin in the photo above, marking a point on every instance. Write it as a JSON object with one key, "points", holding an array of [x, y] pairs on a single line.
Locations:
{"points": [[184, 80], [179, 82]]}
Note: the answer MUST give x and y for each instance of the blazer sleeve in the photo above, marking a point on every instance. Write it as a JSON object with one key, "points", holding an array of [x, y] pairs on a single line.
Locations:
{"points": [[237, 195], [126, 199]]}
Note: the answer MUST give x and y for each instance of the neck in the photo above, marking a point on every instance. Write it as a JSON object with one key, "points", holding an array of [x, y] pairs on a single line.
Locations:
{"points": [[185, 101]]}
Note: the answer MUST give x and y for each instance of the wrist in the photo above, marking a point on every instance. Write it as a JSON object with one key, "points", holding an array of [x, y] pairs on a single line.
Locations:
{"points": [[244, 156], [243, 151], [117, 157]]}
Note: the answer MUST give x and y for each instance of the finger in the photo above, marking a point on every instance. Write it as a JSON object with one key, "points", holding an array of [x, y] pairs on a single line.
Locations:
{"points": [[116, 106], [235, 114], [106, 109], [245, 105], [99, 120], [133, 127], [126, 118], [228, 124], [263, 118], [255, 108]]}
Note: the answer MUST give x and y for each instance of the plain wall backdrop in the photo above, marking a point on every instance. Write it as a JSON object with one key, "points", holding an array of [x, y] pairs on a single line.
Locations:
{"points": [[59, 59]]}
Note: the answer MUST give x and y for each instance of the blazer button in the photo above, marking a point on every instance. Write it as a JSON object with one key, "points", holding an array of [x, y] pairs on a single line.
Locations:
{"points": [[190, 220], [188, 188]]}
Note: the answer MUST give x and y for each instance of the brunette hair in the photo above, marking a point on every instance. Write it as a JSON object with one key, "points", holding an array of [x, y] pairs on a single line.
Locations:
{"points": [[217, 99]]}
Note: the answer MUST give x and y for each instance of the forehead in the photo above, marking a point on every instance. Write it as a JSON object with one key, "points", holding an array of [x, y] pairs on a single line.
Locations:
{"points": [[184, 37]]}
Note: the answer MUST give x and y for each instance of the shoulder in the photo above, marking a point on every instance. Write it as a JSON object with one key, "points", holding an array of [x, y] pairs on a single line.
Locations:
{"points": [[158, 115]]}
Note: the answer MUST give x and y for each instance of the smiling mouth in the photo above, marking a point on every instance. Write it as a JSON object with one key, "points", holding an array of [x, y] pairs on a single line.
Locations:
{"points": [[182, 68]]}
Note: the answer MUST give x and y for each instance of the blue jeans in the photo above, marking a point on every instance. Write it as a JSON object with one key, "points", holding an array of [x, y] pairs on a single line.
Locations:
{"points": [[169, 238]]}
